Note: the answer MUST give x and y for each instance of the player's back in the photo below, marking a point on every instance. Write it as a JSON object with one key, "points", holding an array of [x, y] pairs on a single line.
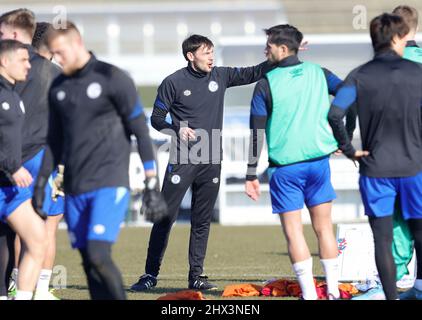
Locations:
{"points": [[297, 128], [389, 96]]}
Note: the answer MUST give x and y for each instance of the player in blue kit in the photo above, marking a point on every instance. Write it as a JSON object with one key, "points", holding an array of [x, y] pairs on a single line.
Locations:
{"points": [[20, 25], [15, 204]]}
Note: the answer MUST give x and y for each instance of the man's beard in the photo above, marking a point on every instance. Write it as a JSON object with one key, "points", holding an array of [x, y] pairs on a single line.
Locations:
{"points": [[199, 69]]}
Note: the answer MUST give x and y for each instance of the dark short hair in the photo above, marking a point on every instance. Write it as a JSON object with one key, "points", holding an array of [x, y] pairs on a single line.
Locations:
{"points": [[23, 19], [65, 29], [39, 39], [9, 45], [193, 43], [409, 14], [285, 34], [384, 28]]}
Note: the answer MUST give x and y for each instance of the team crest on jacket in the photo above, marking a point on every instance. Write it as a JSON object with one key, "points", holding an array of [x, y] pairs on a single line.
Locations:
{"points": [[175, 179], [213, 86], [61, 95], [187, 93], [22, 106], [94, 90], [5, 106]]}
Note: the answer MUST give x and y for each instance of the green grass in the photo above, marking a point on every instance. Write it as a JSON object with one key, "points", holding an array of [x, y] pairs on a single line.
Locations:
{"points": [[249, 254]]}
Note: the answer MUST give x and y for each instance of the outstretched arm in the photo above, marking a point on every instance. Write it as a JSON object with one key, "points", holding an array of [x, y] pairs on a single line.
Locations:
{"points": [[247, 75]]}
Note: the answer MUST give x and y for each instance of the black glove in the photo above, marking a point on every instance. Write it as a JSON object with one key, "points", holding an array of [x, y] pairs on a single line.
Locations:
{"points": [[154, 207], [38, 200]]}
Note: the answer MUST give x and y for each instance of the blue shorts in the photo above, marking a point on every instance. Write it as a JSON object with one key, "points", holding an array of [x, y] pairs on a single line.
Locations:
{"points": [[11, 198], [294, 185], [96, 215], [51, 207], [380, 194]]}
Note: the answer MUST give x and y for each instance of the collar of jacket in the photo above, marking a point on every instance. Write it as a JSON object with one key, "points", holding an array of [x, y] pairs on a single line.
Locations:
{"points": [[289, 61], [388, 54], [5, 83], [411, 43], [197, 74], [86, 68]]}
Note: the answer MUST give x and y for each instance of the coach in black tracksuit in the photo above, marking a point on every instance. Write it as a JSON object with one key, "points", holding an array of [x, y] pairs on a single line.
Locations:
{"points": [[194, 97]]}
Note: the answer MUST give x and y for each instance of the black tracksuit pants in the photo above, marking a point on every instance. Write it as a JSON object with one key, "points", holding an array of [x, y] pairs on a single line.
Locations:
{"points": [[205, 182]]}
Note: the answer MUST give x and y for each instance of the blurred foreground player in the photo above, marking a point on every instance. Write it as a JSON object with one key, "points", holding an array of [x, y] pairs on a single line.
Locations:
{"points": [[94, 109], [387, 94]]}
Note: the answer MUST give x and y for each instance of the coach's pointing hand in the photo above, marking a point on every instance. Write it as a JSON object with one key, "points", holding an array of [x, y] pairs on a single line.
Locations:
{"points": [[252, 189]]}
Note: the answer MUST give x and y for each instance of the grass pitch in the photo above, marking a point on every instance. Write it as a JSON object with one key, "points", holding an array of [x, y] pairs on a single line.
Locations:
{"points": [[247, 254]]}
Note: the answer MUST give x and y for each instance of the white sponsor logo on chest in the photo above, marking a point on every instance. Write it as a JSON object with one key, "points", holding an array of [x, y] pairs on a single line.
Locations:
{"points": [[187, 93], [94, 90], [175, 179], [213, 86], [5, 106], [61, 95]]}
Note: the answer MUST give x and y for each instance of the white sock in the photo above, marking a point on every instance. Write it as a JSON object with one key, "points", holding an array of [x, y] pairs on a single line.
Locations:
{"points": [[44, 281], [23, 295], [15, 274], [331, 271], [303, 271], [3, 298], [418, 284]]}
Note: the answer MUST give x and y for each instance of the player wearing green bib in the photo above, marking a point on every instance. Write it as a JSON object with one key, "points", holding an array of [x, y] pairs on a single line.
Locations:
{"points": [[291, 106]]}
